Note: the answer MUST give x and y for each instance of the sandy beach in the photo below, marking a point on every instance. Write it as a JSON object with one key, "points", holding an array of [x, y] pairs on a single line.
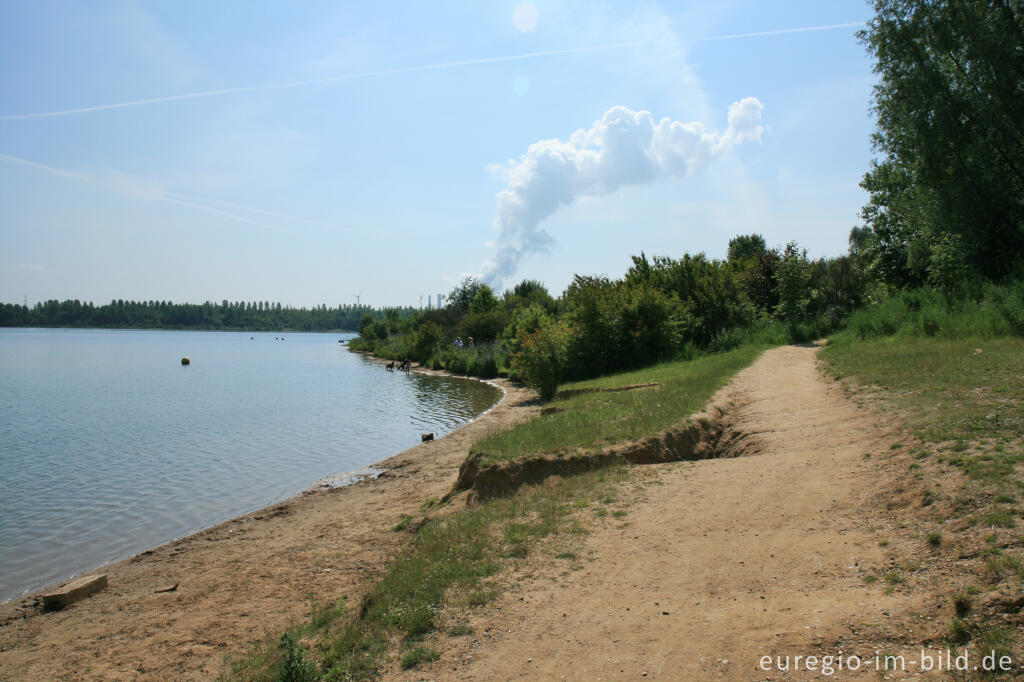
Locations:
{"points": [[242, 579]]}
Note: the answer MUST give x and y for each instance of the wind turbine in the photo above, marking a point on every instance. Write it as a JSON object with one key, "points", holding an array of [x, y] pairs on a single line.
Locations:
{"points": [[356, 296], [421, 300]]}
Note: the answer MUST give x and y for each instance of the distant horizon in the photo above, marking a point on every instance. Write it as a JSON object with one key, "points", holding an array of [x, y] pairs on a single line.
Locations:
{"points": [[415, 306], [218, 302]]}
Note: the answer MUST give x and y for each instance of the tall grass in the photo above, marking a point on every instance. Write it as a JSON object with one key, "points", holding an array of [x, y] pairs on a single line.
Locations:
{"points": [[994, 311]]}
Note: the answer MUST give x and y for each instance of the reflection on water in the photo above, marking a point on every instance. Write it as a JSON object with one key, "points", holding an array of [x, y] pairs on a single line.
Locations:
{"points": [[108, 446]]}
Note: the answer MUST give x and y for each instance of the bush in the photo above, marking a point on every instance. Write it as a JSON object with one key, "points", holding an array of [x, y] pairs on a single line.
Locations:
{"points": [[994, 311], [484, 362], [375, 330], [541, 359], [428, 337], [482, 327], [653, 325]]}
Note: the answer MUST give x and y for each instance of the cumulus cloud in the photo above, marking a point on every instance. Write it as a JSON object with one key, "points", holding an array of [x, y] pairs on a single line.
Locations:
{"points": [[624, 147]]}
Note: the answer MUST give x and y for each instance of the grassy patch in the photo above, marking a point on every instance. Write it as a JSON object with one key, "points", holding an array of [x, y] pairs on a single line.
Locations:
{"points": [[598, 419], [418, 654], [451, 561], [963, 397], [403, 524], [998, 518], [949, 393]]}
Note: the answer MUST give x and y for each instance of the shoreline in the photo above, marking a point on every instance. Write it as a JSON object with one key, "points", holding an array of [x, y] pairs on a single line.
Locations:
{"points": [[243, 577]]}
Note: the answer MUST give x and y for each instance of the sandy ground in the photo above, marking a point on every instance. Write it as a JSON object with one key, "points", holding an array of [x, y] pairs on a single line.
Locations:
{"points": [[241, 579], [726, 561]]}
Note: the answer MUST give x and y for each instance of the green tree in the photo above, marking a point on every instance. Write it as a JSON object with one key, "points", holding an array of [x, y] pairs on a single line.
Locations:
{"points": [[746, 248], [950, 134], [425, 340], [530, 292], [459, 298], [794, 278], [484, 301]]}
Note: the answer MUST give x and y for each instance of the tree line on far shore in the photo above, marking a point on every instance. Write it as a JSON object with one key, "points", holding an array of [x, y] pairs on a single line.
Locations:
{"points": [[247, 315]]}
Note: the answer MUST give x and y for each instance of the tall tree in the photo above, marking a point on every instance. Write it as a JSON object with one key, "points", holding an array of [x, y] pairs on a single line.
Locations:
{"points": [[947, 193]]}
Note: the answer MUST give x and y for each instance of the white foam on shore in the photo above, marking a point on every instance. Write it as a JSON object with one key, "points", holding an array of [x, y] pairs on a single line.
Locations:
{"points": [[347, 478]]}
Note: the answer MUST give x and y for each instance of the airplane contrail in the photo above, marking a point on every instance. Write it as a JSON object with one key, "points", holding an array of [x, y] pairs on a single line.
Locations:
{"points": [[218, 202], [781, 31], [318, 81], [197, 203], [392, 72]]}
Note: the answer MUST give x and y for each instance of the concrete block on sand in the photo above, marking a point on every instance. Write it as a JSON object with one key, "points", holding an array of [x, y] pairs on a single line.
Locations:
{"points": [[76, 590]]}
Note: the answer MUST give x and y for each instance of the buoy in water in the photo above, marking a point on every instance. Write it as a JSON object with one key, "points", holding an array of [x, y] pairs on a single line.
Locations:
{"points": [[185, 361]]}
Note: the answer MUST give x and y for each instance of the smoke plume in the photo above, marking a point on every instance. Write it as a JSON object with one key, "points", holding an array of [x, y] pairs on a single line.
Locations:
{"points": [[625, 147]]}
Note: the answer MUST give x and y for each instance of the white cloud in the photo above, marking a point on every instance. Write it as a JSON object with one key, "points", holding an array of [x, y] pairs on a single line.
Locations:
{"points": [[623, 148]]}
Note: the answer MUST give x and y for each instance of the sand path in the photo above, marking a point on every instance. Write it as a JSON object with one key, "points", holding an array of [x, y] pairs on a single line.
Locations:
{"points": [[727, 561], [241, 579]]}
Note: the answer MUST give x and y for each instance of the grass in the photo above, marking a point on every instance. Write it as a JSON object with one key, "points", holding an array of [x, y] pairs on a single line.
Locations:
{"points": [[962, 396], [969, 404], [452, 561], [418, 654], [596, 420], [403, 524], [948, 392]]}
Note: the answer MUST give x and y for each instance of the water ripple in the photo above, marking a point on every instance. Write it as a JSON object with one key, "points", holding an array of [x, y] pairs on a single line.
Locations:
{"points": [[108, 446]]}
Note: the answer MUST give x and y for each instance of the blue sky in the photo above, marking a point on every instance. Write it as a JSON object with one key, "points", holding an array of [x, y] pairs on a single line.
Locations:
{"points": [[387, 183]]}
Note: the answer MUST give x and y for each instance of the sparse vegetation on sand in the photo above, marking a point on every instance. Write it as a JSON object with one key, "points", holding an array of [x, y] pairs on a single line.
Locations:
{"points": [[459, 559]]}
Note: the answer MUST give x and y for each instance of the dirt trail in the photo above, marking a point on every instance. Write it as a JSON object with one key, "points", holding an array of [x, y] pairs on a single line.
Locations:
{"points": [[240, 579], [727, 561]]}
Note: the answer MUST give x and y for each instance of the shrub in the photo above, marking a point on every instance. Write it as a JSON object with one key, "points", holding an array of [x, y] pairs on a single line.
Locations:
{"points": [[542, 357], [482, 327], [484, 362], [427, 338]]}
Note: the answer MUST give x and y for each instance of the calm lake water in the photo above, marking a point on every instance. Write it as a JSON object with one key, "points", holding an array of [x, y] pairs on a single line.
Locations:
{"points": [[109, 446]]}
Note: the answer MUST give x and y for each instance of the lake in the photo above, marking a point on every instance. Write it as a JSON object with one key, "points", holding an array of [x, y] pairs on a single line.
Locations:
{"points": [[109, 446]]}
